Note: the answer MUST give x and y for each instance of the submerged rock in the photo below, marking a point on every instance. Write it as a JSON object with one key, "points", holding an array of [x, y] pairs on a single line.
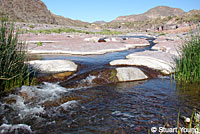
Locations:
{"points": [[93, 78], [130, 74], [105, 76], [54, 77], [53, 66], [15, 129]]}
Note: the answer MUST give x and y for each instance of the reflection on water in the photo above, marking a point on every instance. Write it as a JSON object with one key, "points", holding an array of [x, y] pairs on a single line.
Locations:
{"points": [[189, 94]]}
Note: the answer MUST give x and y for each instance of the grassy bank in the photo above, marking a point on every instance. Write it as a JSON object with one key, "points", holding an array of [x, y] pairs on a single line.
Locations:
{"points": [[70, 30], [13, 71], [188, 65]]}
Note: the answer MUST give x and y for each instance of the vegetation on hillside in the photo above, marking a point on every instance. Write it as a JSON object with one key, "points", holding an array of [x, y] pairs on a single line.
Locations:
{"points": [[13, 71], [188, 65], [71, 30], [137, 25]]}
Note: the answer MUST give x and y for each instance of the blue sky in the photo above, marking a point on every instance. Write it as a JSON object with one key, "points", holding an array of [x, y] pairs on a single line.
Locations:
{"points": [[108, 10]]}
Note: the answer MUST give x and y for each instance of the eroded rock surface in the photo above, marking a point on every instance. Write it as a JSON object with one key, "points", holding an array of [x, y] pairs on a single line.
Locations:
{"points": [[164, 62], [53, 66], [130, 74]]}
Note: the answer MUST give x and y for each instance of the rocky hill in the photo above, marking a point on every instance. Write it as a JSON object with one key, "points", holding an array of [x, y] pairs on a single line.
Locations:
{"points": [[156, 19], [160, 11], [33, 11]]}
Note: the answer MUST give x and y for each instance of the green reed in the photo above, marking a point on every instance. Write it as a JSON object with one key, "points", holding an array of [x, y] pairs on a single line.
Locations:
{"points": [[13, 71], [188, 65]]}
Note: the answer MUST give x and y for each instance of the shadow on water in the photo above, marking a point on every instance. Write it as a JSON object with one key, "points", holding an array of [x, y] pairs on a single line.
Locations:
{"points": [[189, 94]]}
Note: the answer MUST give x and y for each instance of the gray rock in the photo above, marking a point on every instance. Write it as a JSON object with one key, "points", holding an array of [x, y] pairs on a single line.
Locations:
{"points": [[92, 39], [161, 61], [53, 66], [130, 74]]}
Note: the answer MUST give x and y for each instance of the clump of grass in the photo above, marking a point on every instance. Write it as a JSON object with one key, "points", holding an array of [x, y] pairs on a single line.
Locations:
{"points": [[39, 44], [32, 26], [163, 34], [112, 75], [13, 70], [108, 32], [188, 65]]}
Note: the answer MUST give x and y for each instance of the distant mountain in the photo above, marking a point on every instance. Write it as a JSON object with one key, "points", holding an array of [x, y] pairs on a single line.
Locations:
{"points": [[193, 12], [34, 11], [99, 22], [159, 11]]}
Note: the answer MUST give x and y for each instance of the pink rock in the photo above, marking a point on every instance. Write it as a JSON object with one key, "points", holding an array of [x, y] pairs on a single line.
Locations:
{"points": [[158, 40], [136, 41], [169, 46], [62, 44]]}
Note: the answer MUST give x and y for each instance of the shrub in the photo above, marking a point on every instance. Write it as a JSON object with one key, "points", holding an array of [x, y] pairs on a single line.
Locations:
{"points": [[13, 71], [188, 65]]}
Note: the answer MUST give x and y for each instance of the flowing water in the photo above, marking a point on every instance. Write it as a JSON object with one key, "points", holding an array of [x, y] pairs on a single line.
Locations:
{"points": [[123, 108]]}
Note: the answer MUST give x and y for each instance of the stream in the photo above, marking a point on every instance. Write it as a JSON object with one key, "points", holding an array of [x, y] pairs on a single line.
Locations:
{"points": [[122, 108]]}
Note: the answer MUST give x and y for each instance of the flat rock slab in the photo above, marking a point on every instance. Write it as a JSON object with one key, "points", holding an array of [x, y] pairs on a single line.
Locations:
{"points": [[164, 62], [168, 46], [53, 66], [135, 41], [160, 39], [130, 74], [63, 44]]}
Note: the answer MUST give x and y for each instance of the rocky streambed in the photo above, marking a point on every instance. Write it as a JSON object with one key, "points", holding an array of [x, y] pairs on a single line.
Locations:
{"points": [[118, 92]]}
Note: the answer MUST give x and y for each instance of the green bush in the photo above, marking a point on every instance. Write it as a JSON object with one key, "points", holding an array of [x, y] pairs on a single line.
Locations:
{"points": [[13, 71], [188, 65]]}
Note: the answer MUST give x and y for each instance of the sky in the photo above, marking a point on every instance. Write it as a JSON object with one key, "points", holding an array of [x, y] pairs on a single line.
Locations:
{"points": [[108, 10]]}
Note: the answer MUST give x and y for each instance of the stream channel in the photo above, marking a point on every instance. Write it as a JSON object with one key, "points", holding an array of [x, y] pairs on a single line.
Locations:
{"points": [[122, 108]]}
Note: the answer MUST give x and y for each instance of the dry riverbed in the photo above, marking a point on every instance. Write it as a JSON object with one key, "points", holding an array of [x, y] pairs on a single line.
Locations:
{"points": [[78, 44], [161, 57]]}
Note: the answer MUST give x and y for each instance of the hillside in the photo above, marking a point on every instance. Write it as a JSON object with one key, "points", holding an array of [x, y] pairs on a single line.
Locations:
{"points": [[33, 11], [160, 11], [158, 18]]}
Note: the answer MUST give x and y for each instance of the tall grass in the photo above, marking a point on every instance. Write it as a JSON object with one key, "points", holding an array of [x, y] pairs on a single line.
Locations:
{"points": [[188, 65], [13, 71]]}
